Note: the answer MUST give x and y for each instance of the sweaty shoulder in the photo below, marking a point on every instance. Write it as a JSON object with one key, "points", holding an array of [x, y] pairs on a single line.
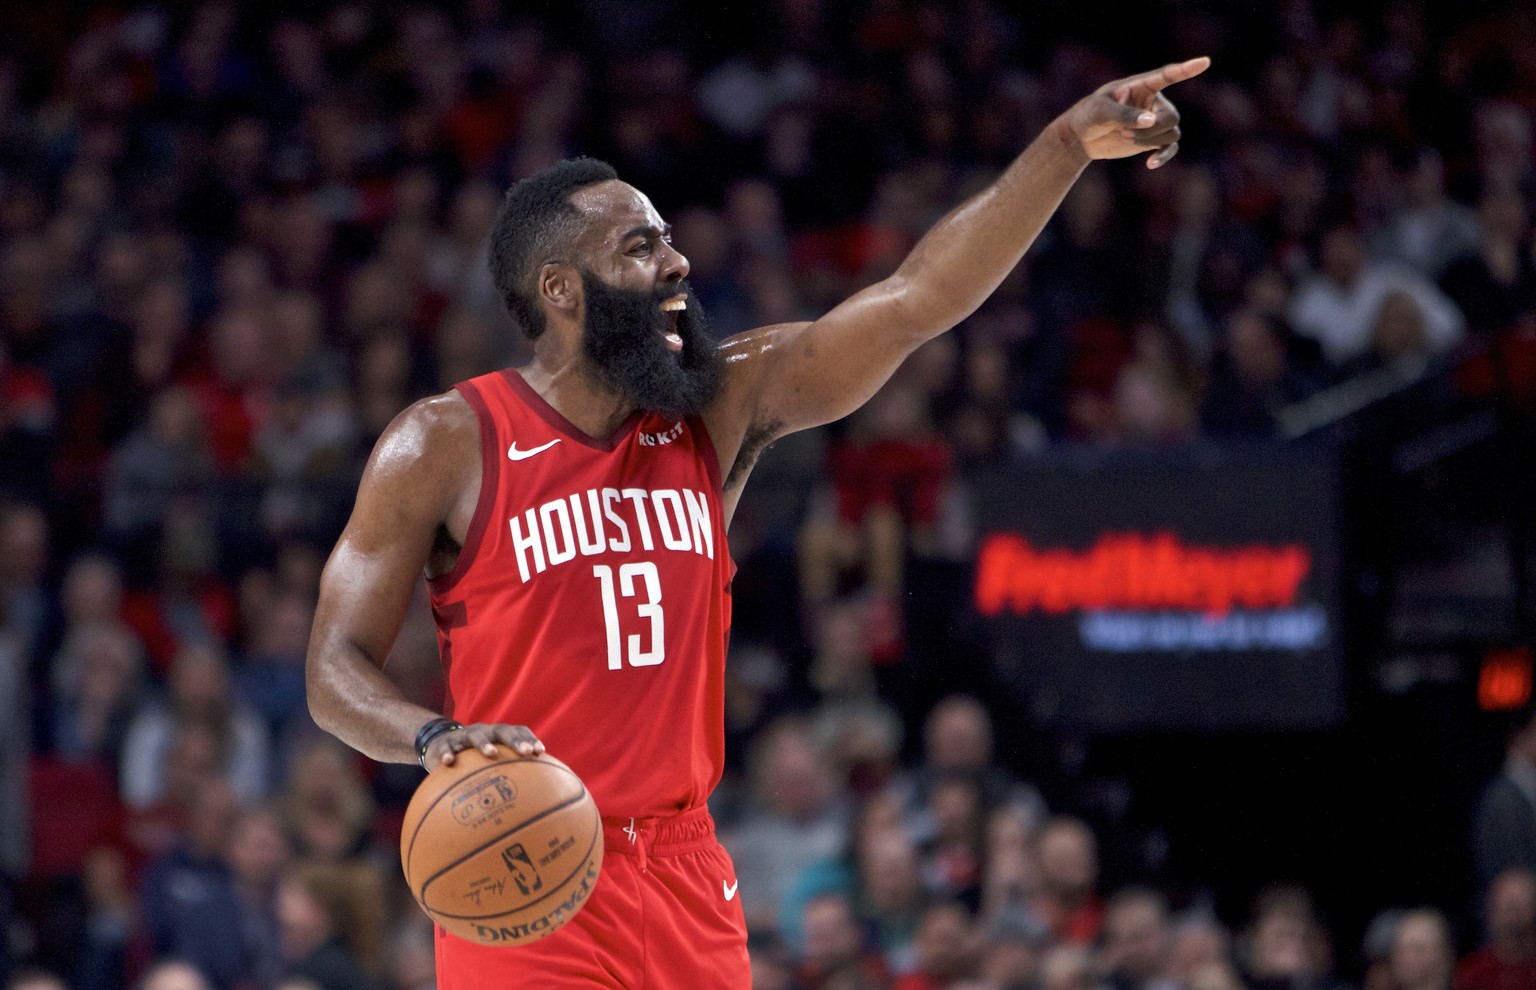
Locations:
{"points": [[427, 462], [431, 433], [739, 422]]}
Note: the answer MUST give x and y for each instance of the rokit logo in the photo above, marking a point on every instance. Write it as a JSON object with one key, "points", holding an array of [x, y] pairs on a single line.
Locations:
{"points": [[661, 439]]}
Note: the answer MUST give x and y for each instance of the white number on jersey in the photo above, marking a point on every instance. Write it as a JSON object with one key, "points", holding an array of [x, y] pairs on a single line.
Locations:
{"points": [[646, 572]]}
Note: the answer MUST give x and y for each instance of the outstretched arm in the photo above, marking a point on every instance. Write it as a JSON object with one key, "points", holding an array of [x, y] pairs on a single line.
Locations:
{"points": [[802, 375]]}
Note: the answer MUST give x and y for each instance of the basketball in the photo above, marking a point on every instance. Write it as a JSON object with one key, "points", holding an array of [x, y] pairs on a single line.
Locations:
{"points": [[501, 850]]}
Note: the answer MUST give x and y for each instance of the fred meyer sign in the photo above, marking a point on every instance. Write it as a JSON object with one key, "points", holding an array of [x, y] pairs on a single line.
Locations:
{"points": [[1195, 594]]}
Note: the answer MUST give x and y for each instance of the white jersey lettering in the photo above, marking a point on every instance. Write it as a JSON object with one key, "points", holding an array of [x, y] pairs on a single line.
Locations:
{"points": [[638, 496], [698, 519], [579, 517], [597, 522], [620, 543], [529, 543], [670, 519], [555, 514]]}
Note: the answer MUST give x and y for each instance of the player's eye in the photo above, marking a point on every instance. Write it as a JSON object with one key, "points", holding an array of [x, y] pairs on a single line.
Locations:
{"points": [[641, 250]]}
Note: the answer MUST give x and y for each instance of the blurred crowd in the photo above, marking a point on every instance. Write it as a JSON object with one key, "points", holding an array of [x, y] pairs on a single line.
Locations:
{"points": [[235, 242]]}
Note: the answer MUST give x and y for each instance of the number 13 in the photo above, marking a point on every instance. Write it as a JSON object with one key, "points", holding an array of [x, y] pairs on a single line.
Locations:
{"points": [[655, 653]]}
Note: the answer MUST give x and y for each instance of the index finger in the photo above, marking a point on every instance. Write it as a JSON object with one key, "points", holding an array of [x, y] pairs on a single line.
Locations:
{"points": [[1174, 72]]}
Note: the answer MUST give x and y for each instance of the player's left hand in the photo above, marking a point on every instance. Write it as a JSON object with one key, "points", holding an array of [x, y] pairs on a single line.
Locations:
{"points": [[1131, 115]]}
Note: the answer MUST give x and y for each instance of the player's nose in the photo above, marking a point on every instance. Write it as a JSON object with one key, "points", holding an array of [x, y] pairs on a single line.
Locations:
{"points": [[674, 265]]}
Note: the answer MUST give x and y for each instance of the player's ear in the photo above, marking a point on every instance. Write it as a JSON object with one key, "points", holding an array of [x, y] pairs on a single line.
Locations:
{"points": [[559, 286]]}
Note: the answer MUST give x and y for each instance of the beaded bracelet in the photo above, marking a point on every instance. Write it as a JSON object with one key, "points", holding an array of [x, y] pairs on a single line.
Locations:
{"points": [[424, 736]]}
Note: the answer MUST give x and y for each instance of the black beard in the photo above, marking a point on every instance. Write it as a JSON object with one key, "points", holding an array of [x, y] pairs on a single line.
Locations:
{"points": [[622, 337]]}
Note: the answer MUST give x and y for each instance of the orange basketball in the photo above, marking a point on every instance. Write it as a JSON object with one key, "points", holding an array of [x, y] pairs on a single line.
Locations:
{"points": [[501, 850]]}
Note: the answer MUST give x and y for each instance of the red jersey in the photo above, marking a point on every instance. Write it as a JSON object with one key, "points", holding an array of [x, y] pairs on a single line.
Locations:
{"points": [[1484, 970], [591, 599]]}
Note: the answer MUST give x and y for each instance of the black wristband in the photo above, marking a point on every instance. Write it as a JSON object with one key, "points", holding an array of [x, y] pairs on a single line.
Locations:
{"points": [[424, 736]]}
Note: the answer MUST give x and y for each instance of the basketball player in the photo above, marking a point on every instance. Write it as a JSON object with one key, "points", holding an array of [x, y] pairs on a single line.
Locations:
{"points": [[571, 516]]}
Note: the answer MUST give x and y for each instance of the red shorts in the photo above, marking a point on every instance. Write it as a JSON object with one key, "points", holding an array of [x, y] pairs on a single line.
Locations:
{"points": [[664, 914]]}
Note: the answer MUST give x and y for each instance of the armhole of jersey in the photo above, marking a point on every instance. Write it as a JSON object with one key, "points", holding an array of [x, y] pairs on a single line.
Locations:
{"points": [[711, 456], [712, 465], [489, 475]]}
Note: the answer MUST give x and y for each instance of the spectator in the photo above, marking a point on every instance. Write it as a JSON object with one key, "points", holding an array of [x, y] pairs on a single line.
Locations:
{"points": [[1151, 407], [1011, 952], [193, 759], [1286, 947], [93, 592], [198, 693], [186, 603], [1507, 960], [325, 805], [1137, 940], [947, 949], [257, 855], [329, 924], [1011, 878], [859, 733], [173, 975], [1067, 901], [455, 265], [1216, 976], [1376, 947], [24, 600], [165, 457], [1258, 371], [1430, 230], [862, 741], [235, 386], [797, 818], [1189, 238], [1493, 280], [1502, 131], [889, 479], [271, 676], [35, 979], [97, 678], [413, 962], [952, 852], [1399, 340], [1201, 946], [834, 957], [958, 742], [111, 921], [1067, 967], [305, 442], [1339, 306], [1504, 823], [467, 346], [190, 906], [28, 425], [1422, 956]]}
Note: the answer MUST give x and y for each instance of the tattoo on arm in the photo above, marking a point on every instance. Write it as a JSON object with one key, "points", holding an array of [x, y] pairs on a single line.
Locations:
{"points": [[758, 437]]}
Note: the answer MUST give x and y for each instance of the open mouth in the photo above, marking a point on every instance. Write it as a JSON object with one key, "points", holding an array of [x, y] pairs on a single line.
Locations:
{"points": [[672, 307]]}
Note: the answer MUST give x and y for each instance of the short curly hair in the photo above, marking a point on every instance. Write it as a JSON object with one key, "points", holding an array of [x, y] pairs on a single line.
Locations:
{"points": [[537, 224]]}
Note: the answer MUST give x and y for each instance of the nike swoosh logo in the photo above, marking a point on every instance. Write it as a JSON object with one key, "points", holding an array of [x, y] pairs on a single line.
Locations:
{"points": [[517, 455], [729, 888]]}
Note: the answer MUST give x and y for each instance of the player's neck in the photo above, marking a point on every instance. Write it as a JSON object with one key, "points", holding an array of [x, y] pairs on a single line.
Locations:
{"points": [[578, 395]]}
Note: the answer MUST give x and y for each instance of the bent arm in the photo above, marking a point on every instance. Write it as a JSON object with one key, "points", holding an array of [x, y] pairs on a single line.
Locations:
{"points": [[408, 490], [812, 373]]}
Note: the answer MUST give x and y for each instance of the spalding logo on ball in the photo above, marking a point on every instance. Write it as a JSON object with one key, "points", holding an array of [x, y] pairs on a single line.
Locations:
{"points": [[501, 850]]}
